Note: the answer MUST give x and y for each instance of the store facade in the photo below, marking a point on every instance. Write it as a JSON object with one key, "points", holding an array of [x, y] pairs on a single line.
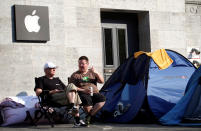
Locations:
{"points": [[107, 31]]}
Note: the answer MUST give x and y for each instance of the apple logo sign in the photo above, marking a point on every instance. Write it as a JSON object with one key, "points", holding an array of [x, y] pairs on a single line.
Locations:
{"points": [[31, 22]]}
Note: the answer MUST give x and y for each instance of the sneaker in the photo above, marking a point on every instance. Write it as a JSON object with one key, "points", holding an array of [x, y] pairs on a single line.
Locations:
{"points": [[80, 124]]}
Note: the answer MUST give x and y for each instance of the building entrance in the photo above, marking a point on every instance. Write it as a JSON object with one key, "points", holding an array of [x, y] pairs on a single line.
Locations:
{"points": [[122, 35]]}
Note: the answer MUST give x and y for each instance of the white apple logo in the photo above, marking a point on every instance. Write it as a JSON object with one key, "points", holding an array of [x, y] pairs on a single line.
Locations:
{"points": [[31, 22]]}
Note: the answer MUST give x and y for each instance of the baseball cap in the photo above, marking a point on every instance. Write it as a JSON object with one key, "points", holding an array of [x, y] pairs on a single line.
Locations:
{"points": [[49, 65]]}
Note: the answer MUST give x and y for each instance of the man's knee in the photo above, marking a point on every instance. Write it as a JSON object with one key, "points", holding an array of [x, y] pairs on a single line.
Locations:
{"points": [[71, 87], [88, 108], [101, 104]]}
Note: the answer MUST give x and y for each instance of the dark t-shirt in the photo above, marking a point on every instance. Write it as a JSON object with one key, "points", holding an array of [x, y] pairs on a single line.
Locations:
{"points": [[45, 83], [84, 80]]}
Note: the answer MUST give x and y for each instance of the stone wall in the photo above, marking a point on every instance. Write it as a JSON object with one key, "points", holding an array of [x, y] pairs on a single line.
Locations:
{"points": [[75, 30], [193, 24]]}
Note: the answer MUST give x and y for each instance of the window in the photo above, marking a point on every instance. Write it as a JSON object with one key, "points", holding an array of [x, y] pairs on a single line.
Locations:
{"points": [[108, 47]]}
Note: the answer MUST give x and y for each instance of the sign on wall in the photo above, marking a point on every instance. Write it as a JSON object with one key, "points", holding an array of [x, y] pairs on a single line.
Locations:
{"points": [[194, 55], [31, 23]]}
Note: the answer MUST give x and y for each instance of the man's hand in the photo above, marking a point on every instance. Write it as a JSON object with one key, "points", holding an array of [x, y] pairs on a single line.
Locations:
{"points": [[54, 91], [84, 90], [87, 91], [93, 70]]}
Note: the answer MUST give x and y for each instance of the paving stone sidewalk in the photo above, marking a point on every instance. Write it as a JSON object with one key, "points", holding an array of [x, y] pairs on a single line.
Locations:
{"points": [[101, 127]]}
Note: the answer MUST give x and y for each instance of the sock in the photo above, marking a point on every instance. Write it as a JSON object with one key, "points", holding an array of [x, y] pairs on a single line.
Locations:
{"points": [[77, 119], [71, 105]]}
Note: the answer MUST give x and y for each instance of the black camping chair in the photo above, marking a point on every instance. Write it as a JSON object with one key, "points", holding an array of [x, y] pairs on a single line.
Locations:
{"points": [[44, 109], [48, 110]]}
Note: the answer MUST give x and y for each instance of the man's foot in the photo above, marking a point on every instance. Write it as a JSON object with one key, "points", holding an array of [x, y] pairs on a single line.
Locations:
{"points": [[81, 123]]}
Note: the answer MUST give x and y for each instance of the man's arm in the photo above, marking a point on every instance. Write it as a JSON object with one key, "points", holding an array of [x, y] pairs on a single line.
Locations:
{"points": [[85, 90], [38, 85], [100, 79], [74, 80], [38, 91]]}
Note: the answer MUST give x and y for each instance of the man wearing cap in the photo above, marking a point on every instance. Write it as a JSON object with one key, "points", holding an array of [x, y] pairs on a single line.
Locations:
{"points": [[59, 94]]}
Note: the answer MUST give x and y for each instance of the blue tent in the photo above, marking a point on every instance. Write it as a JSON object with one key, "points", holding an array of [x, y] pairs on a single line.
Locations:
{"points": [[188, 110], [139, 86]]}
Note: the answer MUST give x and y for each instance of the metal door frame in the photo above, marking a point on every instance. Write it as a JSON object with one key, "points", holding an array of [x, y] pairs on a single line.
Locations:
{"points": [[115, 45]]}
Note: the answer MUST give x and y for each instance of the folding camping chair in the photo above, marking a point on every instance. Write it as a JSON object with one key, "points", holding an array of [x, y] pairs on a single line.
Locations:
{"points": [[47, 110]]}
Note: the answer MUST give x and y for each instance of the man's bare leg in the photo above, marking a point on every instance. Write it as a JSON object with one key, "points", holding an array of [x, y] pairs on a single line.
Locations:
{"points": [[75, 111], [96, 108], [71, 96], [92, 111]]}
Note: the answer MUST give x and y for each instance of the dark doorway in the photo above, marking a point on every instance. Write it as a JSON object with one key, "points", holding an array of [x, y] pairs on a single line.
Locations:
{"points": [[131, 20], [123, 34]]}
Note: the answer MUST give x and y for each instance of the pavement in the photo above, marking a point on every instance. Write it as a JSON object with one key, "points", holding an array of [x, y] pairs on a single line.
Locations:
{"points": [[100, 127]]}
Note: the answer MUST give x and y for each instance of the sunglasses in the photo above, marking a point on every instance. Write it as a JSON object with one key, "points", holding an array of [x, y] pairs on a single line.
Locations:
{"points": [[51, 68]]}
